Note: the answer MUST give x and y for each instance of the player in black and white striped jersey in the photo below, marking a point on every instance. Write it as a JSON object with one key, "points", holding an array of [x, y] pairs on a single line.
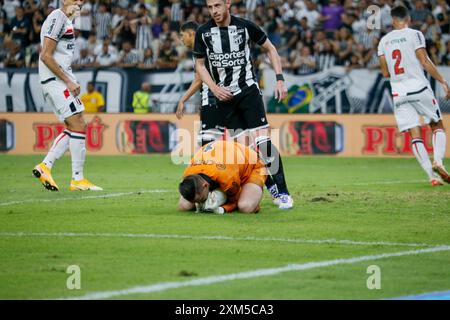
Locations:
{"points": [[222, 51], [212, 120]]}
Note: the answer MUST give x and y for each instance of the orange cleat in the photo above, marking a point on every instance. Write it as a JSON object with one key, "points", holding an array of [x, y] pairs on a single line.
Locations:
{"points": [[43, 173], [83, 185]]}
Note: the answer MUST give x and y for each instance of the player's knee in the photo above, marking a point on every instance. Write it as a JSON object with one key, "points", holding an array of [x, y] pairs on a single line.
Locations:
{"points": [[437, 125], [246, 206]]}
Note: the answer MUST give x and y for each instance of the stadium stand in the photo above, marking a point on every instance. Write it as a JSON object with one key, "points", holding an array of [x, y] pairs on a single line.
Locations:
{"points": [[310, 35]]}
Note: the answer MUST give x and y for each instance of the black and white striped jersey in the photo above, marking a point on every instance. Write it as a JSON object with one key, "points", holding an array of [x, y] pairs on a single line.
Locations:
{"points": [[144, 36], [103, 25], [227, 52]]}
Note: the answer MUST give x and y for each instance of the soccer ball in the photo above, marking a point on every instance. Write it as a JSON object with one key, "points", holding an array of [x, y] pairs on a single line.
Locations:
{"points": [[215, 199]]}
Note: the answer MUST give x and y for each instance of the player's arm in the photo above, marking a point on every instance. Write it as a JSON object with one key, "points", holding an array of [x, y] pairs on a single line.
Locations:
{"points": [[232, 196], [200, 55], [48, 48], [429, 67], [383, 66], [258, 36], [193, 88], [231, 204], [274, 57], [382, 59], [221, 93]]}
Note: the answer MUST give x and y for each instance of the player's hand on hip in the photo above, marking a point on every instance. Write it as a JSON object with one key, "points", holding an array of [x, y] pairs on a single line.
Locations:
{"points": [[280, 91], [180, 109], [222, 94], [74, 88]]}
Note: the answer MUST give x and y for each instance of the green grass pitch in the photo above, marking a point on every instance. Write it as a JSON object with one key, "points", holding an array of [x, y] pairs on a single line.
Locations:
{"points": [[132, 235]]}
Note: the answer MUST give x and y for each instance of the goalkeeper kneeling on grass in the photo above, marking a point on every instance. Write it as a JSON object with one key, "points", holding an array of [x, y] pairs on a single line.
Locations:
{"points": [[221, 177]]}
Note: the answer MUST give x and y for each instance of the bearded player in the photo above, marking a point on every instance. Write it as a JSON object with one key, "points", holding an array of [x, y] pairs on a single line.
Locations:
{"points": [[230, 167]]}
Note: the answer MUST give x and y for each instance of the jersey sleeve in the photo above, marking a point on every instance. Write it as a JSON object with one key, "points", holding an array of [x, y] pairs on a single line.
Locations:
{"points": [[230, 206], [419, 40], [199, 45], [54, 28], [380, 49], [256, 34], [232, 190]]}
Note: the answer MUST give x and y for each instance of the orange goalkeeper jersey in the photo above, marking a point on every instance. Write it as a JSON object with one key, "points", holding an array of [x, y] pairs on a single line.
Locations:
{"points": [[231, 165]]}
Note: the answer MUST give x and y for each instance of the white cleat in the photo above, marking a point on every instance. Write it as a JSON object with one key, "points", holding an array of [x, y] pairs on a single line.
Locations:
{"points": [[285, 202], [276, 201]]}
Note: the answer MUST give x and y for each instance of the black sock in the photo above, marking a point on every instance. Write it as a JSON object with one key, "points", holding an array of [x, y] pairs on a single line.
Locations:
{"points": [[271, 186], [271, 157]]}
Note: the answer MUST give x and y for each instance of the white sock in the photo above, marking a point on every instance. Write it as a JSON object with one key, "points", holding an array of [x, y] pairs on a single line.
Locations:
{"points": [[422, 156], [59, 147], [439, 142], [78, 152]]}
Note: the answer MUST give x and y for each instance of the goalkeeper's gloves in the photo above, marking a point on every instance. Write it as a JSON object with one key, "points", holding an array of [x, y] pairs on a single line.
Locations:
{"points": [[200, 208]]}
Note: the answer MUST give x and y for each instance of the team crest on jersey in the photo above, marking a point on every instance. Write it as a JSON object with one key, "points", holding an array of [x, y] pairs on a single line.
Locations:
{"points": [[238, 39]]}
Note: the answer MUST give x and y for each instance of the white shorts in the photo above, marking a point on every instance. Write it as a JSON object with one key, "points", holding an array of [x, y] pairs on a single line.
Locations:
{"points": [[64, 104], [408, 109]]}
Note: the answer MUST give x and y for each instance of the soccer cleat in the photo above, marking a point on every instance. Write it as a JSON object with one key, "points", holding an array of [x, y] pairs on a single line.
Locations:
{"points": [[43, 173], [273, 190], [436, 182], [276, 201], [441, 171], [286, 201], [83, 185]]}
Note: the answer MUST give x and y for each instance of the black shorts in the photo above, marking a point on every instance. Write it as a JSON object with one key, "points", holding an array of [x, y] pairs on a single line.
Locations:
{"points": [[245, 111], [211, 118]]}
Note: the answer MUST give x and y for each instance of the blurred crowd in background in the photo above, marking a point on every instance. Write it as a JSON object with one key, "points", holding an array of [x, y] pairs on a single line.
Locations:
{"points": [[310, 35]]}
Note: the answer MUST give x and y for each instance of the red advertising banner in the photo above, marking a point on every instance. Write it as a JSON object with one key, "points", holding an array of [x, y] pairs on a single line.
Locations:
{"points": [[296, 135]]}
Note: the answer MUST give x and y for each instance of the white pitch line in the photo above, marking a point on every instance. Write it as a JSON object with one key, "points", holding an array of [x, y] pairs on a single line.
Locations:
{"points": [[217, 237], [107, 195], [163, 286], [369, 183], [112, 195]]}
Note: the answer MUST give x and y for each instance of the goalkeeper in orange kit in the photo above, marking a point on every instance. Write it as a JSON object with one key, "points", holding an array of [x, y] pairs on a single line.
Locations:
{"points": [[227, 166]]}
